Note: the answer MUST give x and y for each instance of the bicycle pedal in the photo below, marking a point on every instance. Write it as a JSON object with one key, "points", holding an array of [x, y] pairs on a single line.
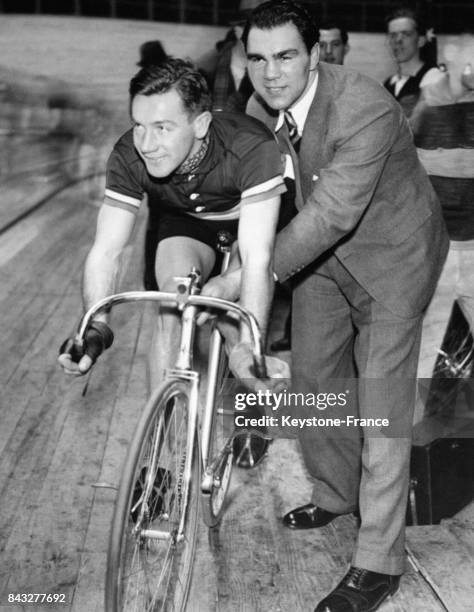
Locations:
{"points": [[249, 449]]}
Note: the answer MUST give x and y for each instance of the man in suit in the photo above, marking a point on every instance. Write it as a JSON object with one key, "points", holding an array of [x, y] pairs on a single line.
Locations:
{"points": [[333, 48], [364, 251]]}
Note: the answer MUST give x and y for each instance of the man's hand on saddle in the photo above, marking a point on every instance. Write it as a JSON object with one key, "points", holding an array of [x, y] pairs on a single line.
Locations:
{"points": [[241, 364], [77, 360]]}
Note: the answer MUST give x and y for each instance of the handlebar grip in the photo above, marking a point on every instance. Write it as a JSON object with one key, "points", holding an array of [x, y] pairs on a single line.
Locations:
{"points": [[74, 348]]}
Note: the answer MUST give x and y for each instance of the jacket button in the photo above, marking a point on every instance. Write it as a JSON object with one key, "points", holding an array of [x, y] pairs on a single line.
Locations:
{"points": [[199, 208], [194, 196]]}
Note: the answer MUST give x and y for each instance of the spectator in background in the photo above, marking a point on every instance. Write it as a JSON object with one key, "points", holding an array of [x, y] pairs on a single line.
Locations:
{"points": [[406, 37], [443, 125], [333, 42], [333, 47], [232, 87]]}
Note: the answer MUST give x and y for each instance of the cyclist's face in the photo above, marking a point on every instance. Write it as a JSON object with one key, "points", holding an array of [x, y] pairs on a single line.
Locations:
{"points": [[331, 47], [164, 133], [404, 40], [279, 65]]}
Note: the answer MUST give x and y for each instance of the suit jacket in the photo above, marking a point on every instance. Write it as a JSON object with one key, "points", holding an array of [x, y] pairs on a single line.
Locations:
{"points": [[363, 195]]}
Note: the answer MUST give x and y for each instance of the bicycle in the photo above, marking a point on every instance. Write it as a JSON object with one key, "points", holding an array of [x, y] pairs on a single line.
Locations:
{"points": [[173, 459]]}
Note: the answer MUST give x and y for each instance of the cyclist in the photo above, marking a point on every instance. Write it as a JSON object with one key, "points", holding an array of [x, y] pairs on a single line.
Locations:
{"points": [[204, 173]]}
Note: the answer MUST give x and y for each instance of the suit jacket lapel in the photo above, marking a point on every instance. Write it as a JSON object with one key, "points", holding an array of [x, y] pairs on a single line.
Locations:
{"points": [[312, 151]]}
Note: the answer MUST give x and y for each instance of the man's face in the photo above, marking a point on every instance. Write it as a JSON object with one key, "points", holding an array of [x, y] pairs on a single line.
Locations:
{"points": [[164, 134], [404, 40], [279, 64], [331, 47]]}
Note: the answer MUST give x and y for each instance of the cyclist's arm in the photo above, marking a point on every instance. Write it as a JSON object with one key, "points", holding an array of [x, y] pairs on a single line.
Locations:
{"points": [[256, 234], [114, 228]]}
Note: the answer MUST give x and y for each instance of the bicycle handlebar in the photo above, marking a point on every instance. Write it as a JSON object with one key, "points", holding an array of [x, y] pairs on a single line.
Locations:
{"points": [[181, 301]]}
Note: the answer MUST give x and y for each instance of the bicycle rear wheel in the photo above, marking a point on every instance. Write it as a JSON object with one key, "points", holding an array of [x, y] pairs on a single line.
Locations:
{"points": [[152, 541]]}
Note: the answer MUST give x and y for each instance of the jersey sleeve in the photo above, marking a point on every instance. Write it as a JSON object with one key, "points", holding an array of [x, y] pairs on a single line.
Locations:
{"points": [[122, 186], [260, 172]]}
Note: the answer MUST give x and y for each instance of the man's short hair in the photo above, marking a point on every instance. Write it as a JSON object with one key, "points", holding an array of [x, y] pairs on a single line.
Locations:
{"points": [[408, 13], [280, 12], [177, 74], [331, 24]]}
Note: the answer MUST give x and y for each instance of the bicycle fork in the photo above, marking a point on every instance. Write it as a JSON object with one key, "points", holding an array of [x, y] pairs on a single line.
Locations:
{"points": [[183, 371]]}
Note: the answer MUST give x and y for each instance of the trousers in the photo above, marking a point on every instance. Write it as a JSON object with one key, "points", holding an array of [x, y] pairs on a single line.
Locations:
{"points": [[344, 339]]}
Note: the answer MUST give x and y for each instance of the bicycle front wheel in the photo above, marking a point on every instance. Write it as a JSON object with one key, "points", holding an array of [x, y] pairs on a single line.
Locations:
{"points": [[153, 534]]}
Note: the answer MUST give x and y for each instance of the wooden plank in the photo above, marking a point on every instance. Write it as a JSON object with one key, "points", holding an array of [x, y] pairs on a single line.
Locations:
{"points": [[261, 565], [54, 448], [28, 306], [126, 413], [444, 555], [132, 325]]}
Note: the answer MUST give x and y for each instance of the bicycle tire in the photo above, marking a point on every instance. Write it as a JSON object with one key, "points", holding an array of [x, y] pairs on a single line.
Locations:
{"points": [[143, 573], [213, 502]]}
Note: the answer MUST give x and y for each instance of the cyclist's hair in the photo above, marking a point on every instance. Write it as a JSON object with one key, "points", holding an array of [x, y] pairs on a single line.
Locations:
{"points": [[331, 24], [409, 13], [173, 73], [280, 12]]}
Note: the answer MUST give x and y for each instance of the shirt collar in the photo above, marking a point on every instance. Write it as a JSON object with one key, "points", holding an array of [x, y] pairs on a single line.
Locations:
{"points": [[398, 81], [300, 110]]}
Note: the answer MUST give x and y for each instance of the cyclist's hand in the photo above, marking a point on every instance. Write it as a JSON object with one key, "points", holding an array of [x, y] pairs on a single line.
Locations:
{"points": [[77, 360], [241, 365], [226, 287]]}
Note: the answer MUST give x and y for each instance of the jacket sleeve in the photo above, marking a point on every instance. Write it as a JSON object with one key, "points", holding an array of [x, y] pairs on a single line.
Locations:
{"points": [[357, 145]]}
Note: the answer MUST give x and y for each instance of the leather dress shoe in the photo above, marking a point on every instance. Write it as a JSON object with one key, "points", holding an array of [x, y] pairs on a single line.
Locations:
{"points": [[308, 516], [360, 590], [249, 448], [282, 344]]}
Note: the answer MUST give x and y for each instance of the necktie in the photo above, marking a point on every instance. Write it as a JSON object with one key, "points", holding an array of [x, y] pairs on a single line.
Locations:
{"points": [[292, 131]]}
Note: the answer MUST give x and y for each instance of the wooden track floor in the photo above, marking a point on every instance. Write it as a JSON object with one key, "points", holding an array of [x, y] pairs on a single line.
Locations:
{"points": [[56, 444]]}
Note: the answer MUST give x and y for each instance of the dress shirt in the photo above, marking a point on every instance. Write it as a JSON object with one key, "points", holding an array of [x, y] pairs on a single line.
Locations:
{"points": [[300, 109]]}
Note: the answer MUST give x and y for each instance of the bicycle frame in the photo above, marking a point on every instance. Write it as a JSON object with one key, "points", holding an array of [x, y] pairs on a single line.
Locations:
{"points": [[190, 304]]}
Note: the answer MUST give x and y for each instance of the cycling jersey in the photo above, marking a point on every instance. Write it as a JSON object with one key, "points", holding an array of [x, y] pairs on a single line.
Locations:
{"points": [[242, 166]]}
